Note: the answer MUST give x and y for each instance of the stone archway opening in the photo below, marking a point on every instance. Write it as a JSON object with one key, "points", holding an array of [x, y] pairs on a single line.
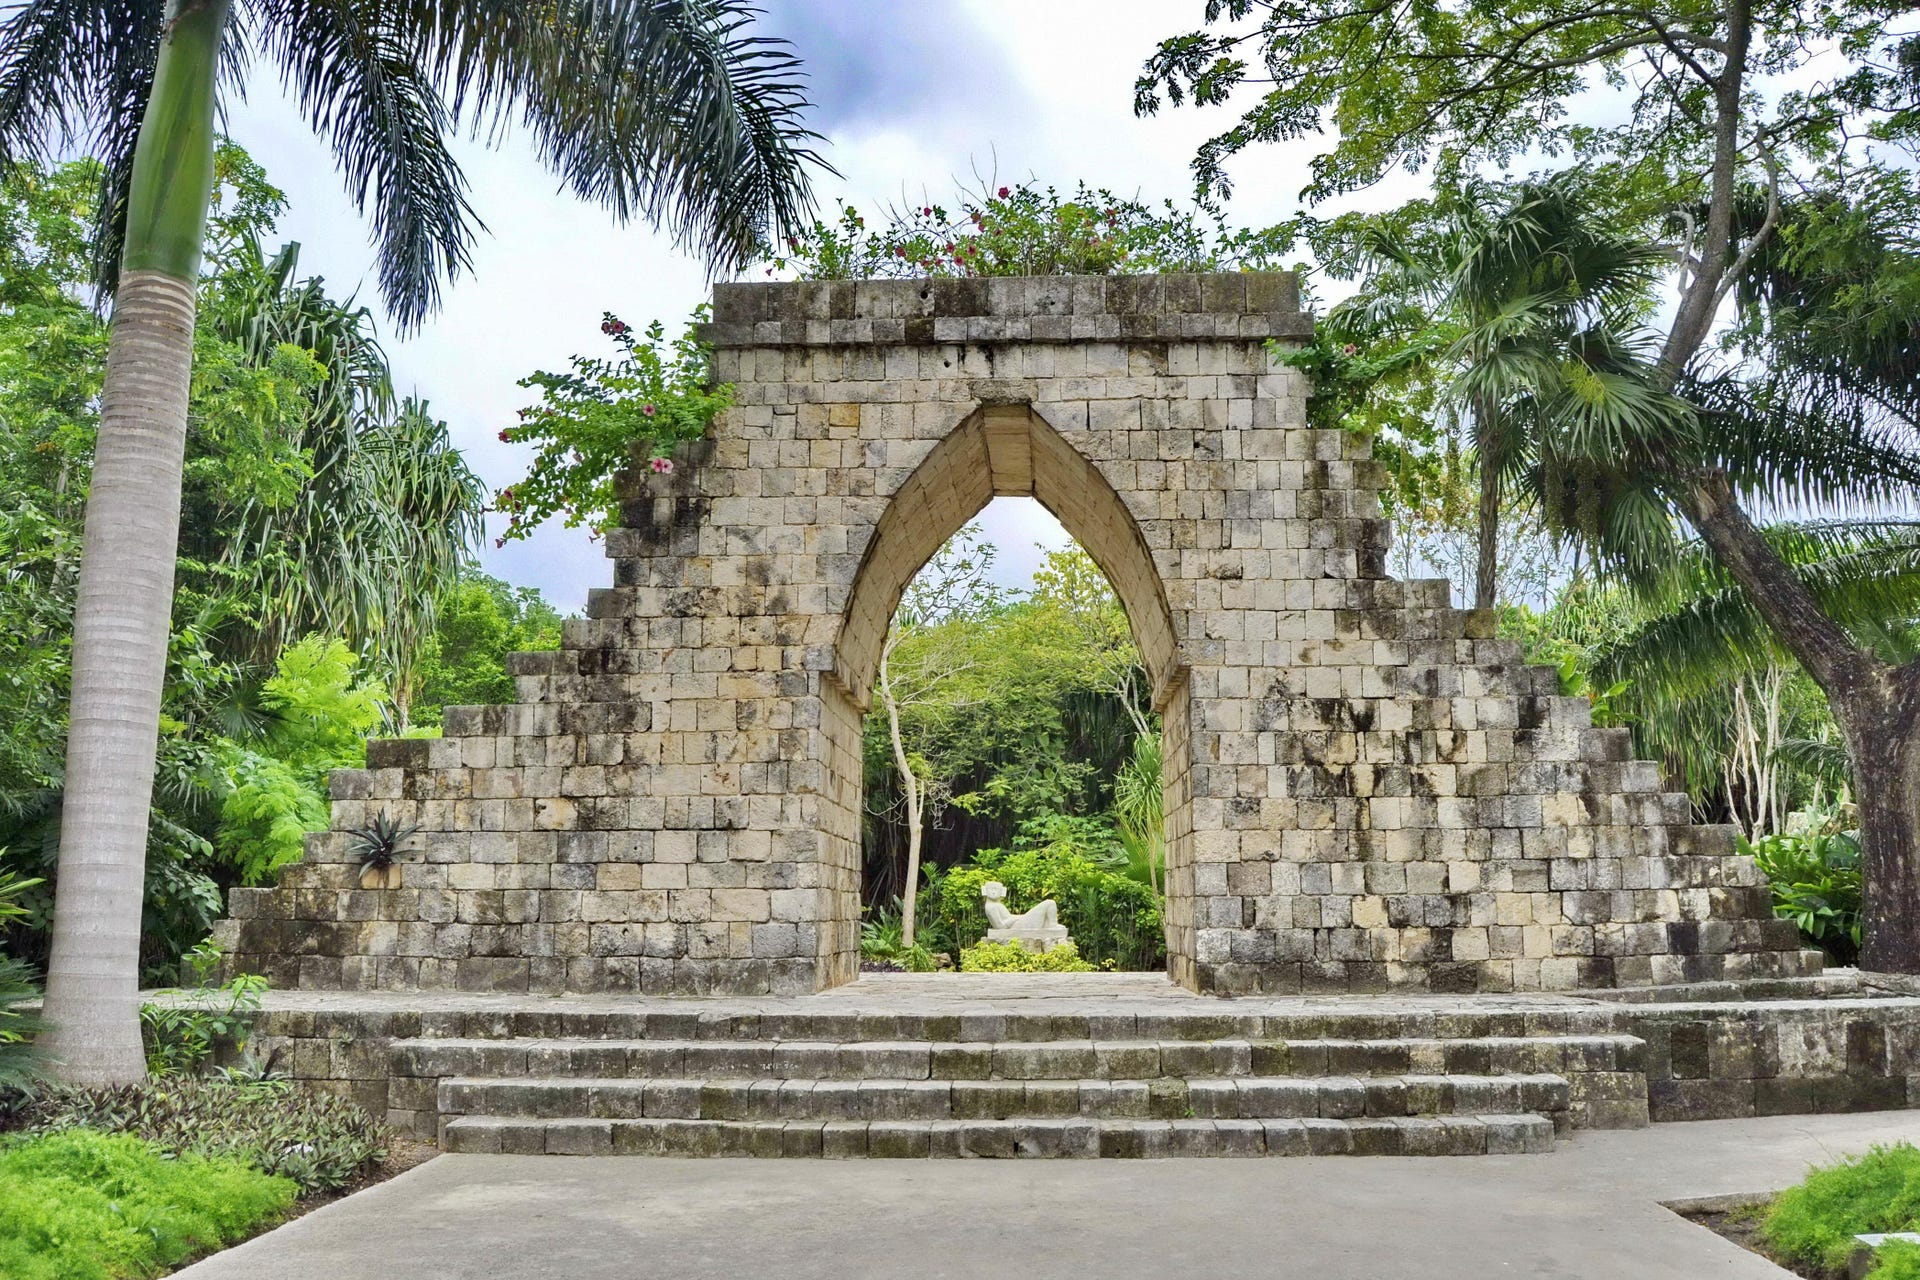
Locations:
{"points": [[1000, 451]]}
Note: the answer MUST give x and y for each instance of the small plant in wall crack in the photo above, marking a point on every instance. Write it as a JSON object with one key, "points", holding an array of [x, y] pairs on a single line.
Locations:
{"points": [[377, 845]]}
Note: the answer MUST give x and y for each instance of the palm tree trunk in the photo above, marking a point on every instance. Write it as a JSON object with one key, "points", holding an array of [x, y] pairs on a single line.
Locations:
{"points": [[1486, 576], [123, 615]]}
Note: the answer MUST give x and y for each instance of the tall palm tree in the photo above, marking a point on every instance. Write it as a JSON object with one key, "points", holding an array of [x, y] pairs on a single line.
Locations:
{"points": [[673, 112], [1519, 276]]}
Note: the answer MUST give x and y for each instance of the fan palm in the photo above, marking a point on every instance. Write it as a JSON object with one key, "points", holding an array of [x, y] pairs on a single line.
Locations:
{"points": [[1530, 281], [1814, 424], [673, 112]]}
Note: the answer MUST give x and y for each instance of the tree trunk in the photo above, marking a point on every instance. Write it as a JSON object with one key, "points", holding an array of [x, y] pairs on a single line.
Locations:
{"points": [[120, 628], [123, 614], [1884, 742], [1486, 577], [910, 789]]}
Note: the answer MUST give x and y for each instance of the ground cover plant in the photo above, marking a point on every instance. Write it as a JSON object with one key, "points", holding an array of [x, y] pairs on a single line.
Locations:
{"points": [[322, 1142], [1012, 957], [82, 1205], [1812, 1225]]}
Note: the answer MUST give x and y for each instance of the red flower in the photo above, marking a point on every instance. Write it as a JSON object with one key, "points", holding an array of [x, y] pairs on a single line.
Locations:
{"points": [[927, 212], [503, 438], [1005, 192], [499, 543]]}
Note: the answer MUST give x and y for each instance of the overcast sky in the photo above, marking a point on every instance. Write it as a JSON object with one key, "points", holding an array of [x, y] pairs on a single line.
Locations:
{"points": [[911, 95]]}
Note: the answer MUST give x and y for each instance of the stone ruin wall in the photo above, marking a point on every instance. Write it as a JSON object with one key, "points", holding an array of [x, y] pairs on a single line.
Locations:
{"points": [[1365, 788]]}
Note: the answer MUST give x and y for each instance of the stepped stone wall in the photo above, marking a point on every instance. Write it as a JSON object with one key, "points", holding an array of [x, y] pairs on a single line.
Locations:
{"points": [[1364, 787]]}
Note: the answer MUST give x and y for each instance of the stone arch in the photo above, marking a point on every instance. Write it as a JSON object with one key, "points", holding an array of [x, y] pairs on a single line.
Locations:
{"points": [[1002, 451], [997, 451]]}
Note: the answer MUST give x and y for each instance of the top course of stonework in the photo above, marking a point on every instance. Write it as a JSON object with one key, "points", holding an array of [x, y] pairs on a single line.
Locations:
{"points": [[1251, 304]]}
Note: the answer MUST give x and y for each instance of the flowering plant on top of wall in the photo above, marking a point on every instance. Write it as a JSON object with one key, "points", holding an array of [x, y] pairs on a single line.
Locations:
{"points": [[1023, 230], [604, 416]]}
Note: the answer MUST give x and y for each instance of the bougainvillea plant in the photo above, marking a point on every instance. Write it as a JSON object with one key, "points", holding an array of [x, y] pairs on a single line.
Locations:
{"points": [[602, 417], [1024, 230]]}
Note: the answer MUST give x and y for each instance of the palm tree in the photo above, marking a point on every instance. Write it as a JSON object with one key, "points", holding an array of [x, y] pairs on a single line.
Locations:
{"points": [[673, 112], [1516, 277], [1820, 420]]}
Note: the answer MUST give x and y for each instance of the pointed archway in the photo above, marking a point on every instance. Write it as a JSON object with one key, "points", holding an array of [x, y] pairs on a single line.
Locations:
{"points": [[1000, 451]]}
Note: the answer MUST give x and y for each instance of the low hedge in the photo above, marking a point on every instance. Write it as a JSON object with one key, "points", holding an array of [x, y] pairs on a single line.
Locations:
{"points": [[80, 1205]]}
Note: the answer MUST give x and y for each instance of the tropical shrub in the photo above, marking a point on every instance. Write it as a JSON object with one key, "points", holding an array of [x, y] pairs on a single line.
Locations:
{"points": [[1814, 1223], [883, 943], [92, 1206], [19, 1063], [183, 1033], [1023, 230], [1081, 864], [1816, 883], [593, 421], [1011, 957], [320, 1141]]}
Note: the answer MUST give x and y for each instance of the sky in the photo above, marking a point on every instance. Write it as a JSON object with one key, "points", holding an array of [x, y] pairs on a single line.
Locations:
{"points": [[912, 97]]}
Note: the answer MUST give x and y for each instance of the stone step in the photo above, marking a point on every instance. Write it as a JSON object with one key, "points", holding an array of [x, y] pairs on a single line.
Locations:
{"points": [[1392, 1021], [1228, 1098], [1038, 1060], [1079, 1138]]}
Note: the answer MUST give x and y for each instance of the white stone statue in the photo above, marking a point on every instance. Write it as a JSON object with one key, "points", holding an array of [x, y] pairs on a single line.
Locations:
{"points": [[1036, 929]]}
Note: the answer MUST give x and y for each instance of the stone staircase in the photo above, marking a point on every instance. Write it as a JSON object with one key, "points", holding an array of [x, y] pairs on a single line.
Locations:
{"points": [[1129, 1085]]}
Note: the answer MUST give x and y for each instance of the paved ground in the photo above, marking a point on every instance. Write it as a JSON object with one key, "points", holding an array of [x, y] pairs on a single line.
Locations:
{"points": [[1592, 1209]]}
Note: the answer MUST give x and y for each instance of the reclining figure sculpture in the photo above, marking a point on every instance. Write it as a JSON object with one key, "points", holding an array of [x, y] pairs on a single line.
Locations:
{"points": [[1036, 929]]}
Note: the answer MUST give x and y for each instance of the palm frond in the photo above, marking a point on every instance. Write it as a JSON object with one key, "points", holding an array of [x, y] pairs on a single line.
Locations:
{"points": [[355, 72]]}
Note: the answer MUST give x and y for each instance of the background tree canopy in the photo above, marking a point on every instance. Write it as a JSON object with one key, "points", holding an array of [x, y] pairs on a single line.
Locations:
{"points": [[324, 589]]}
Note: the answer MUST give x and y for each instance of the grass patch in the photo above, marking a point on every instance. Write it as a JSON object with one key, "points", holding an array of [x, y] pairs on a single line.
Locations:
{"points": [[1814, 1223], [80, 1205]]}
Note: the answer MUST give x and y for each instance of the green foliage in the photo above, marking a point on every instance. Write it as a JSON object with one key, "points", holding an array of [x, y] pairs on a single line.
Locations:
{"points": [[1815, 1222], [598, 419], [1078, 862], [320, 1141], [183, 1032], [464, 660], [314, 504], [1139, 812], [20, 1064], [318, 713], [1464, 87], [91, 1206], [1024, 230], [1011, 957], [883, 942], [1815, 877]]}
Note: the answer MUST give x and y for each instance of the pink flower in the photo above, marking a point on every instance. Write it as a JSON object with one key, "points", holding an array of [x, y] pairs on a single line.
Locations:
{"points": [[503, 438], [499, 543], [1005, 192], [927, 212], [649, 409], [1349, 349], [661, 466]]}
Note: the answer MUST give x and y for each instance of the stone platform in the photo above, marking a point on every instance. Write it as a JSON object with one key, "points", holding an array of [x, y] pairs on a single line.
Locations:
{"points": [[1114, 1065]]}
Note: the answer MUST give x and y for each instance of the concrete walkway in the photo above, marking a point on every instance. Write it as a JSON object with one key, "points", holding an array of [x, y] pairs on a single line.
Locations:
{"points": [[1592, 1209]]}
